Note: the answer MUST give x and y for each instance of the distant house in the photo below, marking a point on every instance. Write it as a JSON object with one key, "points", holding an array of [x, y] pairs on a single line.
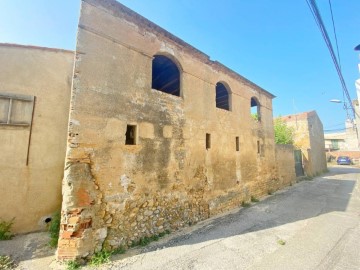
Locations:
{"points": [[309, 138], [344, 141], [334, 141]]}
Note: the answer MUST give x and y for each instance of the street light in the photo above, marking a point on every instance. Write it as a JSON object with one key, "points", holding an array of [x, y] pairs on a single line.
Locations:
{"points": [[336, 100]]}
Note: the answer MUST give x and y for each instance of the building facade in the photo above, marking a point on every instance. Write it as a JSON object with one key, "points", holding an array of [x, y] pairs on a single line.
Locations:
{"points": [[35, 86], [160, 136], [309, 138]]}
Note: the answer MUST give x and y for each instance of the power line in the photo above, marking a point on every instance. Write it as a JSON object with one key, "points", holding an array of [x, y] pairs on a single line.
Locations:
{"points": [[336, 41], [336, 125], [316, 14]]}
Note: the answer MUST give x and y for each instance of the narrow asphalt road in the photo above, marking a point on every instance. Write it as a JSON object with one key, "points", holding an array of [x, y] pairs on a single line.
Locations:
{"points": [[312, 225]]}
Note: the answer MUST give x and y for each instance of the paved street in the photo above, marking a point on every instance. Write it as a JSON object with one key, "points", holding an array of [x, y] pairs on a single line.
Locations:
{"points": [[312, 225]]}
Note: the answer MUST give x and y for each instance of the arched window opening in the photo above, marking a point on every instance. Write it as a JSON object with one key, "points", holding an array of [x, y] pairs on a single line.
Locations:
{"points": [[255, 109], [222, 97], [165, 75]]}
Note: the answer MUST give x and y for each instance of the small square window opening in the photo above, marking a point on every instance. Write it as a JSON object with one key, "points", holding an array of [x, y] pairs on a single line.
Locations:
{"points": [[208, 141], [130, 135]]}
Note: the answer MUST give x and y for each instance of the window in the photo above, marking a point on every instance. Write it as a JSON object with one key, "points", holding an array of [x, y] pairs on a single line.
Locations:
{"points": [[237, 144], [222, 97], [208, 141], [16, 110], [255, 109], [130, 135], [165, 75], [335, 144]]}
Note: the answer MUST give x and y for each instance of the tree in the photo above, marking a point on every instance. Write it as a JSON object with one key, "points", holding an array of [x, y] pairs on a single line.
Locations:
{"points": [[283, 133]]}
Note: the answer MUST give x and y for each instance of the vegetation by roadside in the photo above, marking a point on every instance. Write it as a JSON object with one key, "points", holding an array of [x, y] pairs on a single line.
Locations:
{"points": [[6, 262], [54, 229], [5, 229], [104, 255]]}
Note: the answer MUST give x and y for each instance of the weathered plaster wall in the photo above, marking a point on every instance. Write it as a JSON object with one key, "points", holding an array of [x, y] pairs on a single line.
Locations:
{"points": [[318, 154], [309, 137], [114, 194], [32, 193], [285, 162]]}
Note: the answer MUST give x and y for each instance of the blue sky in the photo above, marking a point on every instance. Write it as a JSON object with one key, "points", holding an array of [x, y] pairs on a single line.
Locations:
{"points": [[275, 44]]}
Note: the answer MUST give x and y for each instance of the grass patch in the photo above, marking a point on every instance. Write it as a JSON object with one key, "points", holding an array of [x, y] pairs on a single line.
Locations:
{"points": [[281, 242], [254, 199], [245, 204], [119, 250], [54, 229], [5, 229], [100, 257], [270, 192], [6, 262], [144, 241], [72, 265]]}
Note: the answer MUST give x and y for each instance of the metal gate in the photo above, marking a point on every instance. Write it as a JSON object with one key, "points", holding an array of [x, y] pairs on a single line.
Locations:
{"points": [[298, 163]]}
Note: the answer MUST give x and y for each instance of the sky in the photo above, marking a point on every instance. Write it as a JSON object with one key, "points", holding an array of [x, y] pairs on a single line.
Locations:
{"points": [[274, 43]]}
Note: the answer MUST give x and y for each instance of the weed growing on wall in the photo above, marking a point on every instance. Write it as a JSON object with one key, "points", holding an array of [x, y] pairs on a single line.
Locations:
{"points": [[54, 229], [245, 204], [5, 229], [144, 241], [119, 250]]}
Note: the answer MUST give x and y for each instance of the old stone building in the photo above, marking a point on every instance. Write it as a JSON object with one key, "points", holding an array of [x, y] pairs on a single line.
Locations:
{"points": [[158, 135], [309, 138]]}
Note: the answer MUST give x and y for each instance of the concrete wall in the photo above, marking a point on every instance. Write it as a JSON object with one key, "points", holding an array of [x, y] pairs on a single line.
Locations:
{"points": [[32, 192], [285, 162], [114, 194]]}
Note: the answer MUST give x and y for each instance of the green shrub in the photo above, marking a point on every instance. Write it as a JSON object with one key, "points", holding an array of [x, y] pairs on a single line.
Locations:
{"points": [[54, 229], [5, 229], [283, 133], [254, 199], [72, 265], [100, 257]]}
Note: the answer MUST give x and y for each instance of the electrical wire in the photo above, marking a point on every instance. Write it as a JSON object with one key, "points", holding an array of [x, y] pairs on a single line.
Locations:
{"points": [[317, 16], [336, 40]]}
